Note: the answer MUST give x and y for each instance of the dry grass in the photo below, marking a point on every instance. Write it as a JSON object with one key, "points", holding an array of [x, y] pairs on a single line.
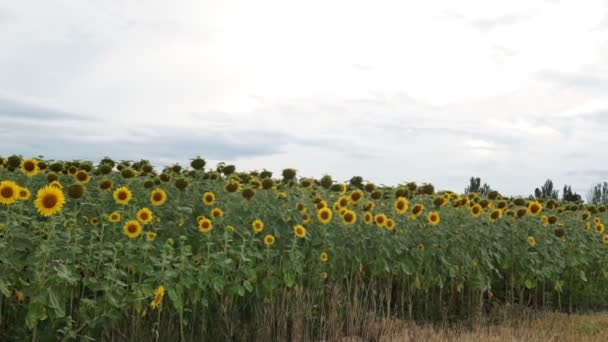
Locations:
{"points": [[528, 327]]}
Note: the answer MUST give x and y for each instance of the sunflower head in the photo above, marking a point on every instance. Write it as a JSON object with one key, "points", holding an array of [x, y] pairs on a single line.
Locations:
{"points": [[421, 247], [324, 215], [605, 238], [368, 218], [269, 240], [323, 257], [30, 167], [349, 217], [521, 212], [205, 225], [182, 183], [23, 194], [552, 219], [531, 241], [267, 183], [326, 181], [150, 236], [232, 186], [380, 220], [122, 195], [299, 231], [132, 229], [257, 225], [76, 190], [217, 212], [114, 217], [390, 224], [106, 184], [144, 215], [158, 197], [49, 201], [9, 192], [495, 215], [198, 163], [535, 208], [289, 174], [248, 194], [165, 177], [433, 218], [401, 205]]}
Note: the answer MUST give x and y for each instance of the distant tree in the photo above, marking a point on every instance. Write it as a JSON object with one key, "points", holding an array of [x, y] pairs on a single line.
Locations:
{"points": [[475, 186], [547, 191], [569, 195], [598, 194]]}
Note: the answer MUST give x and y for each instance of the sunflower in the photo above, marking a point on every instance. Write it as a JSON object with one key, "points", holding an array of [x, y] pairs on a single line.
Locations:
{"points": [[23, 194], [349, 217], [324, 275], [205, 225], [158, 298], [30, 167], [401, 205], [597, 220], [521, 212], [158, 197], [368, 218], [300, 207], [544, 219], [49, 201], [150, 236], [380, 220], [588, 226], [495, 215], [208, 198], [531, 241], [94, 221], [257, 225], [417, 210], [369, 206], [299, 231], [320, 204], [344, 201], [534, 208], [605, 238], [433, 218], [323, 257], [356, 196], [476, 210], [269, 240], [586, 215], [230, 229], [390, 224], [599, 228], [421, 247], [132, 229], [324, 215], [217, 212], [82, 177], [122, 195], [144, 215], [306, 218], [9, 192], [105, 185], [114, 217]]}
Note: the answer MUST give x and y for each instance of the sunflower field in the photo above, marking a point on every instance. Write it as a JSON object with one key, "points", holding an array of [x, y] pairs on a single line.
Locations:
{"points": [[118, 251]]}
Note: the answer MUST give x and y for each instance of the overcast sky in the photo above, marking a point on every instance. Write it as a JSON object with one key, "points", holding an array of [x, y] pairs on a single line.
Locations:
{"points": [[514, 92]]}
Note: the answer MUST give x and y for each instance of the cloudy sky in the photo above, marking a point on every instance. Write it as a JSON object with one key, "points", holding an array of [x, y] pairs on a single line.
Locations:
{"points": [[514, 92]]}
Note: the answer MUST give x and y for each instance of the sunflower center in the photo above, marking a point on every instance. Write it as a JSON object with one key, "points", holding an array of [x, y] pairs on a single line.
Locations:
{"points": [[400, 205], [7, 192], [122, 196], [144, 216], [208, 198], [81, 176], [348, 217], [132, 228], [158, 196], [324, 215], [29, 166], [49, 201], [205, 224]]}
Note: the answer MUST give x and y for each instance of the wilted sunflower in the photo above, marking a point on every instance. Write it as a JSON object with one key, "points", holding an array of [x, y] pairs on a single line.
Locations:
{"points": [[349, 217], [23, 194], [380, 220], [299, 231], [114, 217], [217, 212], [324, 215], [49, 200], [150, 236], [269, 240], [368, 218], [534, 208], [531, 241], [205, 225], [323, 257], [144, 215], [401, 205], [257, 225], [158, 197], [208, 198], [122, 195], [82, 177], [390, 224], [158, 298], [9, 192], [433, 218], [30, 167], [132, 229]]}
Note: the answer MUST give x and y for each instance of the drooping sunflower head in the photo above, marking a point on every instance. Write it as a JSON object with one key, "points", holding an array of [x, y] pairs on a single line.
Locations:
{"points": [[324, 215], [30, 167], [182, 183], [76, 190], [269, 240], [433, 218], [132, 229], [599, 228], [248, 193], [49, 201], [232, 186], [122, 195], [439, 201], [586, 215], [495, 215], [9, 192], [257, 225], [105, 185], [144, 215], [368, 218], [417, 210], [158, 197], [521, 212], [401, 205], [205, 225], [299, 231]]}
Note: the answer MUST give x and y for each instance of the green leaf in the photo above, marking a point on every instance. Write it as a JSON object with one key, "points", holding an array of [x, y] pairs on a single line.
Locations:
{"points": [[54, 303], [247, 285], [35, 312]]}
